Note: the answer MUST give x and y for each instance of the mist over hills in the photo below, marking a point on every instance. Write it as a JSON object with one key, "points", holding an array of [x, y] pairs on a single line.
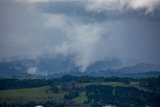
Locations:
{"points": [[59, 66], [15, 68]]}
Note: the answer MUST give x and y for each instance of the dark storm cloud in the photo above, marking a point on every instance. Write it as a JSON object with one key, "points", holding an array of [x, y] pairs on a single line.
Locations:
{"points": [[89, 30]]}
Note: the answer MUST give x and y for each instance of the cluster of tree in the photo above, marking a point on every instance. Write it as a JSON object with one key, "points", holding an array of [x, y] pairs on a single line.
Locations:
{"points": [[54, 88], [119, 95], [72, 94], [70, 103], [150, 82], [72, 86]]}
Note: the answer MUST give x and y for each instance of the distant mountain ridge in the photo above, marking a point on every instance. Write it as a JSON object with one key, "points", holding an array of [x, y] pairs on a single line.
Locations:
{"points": [[139, 68], [64, 65]]}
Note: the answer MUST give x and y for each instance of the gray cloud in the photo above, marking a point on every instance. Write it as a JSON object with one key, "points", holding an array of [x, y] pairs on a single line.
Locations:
{"points": [[120, 6], [90, 30], [73, 9]]}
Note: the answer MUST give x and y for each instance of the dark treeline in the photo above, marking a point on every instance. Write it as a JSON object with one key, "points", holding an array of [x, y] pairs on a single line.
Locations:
{"points": [[13, 83], [32, 104], [21, 83]]}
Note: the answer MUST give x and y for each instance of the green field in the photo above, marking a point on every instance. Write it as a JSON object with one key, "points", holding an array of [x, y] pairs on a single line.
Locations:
{"points": [[137, 85], [132, 84], [40, 94], [114, 84]]}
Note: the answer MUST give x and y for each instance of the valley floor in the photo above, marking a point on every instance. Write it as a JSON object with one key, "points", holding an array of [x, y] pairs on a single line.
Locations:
{"points": [[45, 93]]}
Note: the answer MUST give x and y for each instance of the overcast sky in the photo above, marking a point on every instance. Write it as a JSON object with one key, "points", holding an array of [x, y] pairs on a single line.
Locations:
{"points": [[91, 30]]}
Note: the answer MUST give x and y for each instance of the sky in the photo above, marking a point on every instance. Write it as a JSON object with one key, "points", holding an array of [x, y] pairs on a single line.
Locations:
{"points": [[90, 30]]}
